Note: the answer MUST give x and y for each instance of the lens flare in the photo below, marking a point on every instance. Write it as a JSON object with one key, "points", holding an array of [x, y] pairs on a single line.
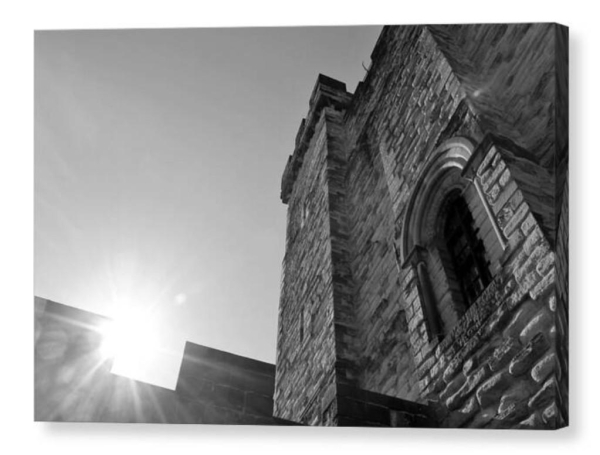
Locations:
{"points": [[129, 338]]}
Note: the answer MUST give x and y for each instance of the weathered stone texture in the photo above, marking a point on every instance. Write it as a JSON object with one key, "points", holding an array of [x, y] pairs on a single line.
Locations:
{"points": [[306, 358], [508, 73], [492, 89], [559, 305]]}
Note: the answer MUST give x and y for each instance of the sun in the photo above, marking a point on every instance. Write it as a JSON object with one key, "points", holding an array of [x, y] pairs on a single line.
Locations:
{"points": [[130, 339]]}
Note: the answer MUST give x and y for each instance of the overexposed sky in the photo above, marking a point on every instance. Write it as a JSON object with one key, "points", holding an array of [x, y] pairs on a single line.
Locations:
{"points": [[158, 161]]}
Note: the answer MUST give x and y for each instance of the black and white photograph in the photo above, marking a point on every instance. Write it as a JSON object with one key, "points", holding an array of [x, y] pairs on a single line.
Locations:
{"points": [[357, 226]]}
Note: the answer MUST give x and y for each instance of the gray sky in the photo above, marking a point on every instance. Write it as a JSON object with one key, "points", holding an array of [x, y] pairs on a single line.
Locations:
{"points": [[158, 161]]}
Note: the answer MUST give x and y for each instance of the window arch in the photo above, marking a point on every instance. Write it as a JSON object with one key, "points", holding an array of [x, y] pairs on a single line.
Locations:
{"points": [[441, 239]]}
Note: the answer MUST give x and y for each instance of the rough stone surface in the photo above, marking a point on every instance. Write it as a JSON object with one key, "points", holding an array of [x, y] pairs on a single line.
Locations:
{"points": [[544, 367], [491, 390], [526, 358], [533, 422], [456, 400], [544, 396], [503, 354]]}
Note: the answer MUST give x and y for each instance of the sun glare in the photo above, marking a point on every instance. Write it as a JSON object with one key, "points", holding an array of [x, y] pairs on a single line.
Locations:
{"points": [[129, 338]]}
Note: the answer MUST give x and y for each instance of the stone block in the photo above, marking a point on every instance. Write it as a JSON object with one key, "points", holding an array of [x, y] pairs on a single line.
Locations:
{"points": [[516, 219], [544, 284], [521, 317], [503, 354], [545, 396], [552, 303], [526, 358], [468, 366], [544, 367], [507, 194], [528, 224], [457, 400], [542, 322], [528, 281], [458, 418], [532, 261], [453, 386], [550, 415], [510, 415], [491, 175], [497, 320], [504, 178], [490, 391], [519, 392], [514, 240], [483, 418], [533, 240], [545, 263], [493, 193], [508, 209], [487, 160], [452, 369]]}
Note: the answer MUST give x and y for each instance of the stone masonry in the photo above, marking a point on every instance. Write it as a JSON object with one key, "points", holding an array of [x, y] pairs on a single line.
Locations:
{"points": [[368, 300], [375, 327]]}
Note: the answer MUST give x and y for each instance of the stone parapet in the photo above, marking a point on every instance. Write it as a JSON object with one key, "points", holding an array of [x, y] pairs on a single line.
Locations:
{"points": [[328, 92]]}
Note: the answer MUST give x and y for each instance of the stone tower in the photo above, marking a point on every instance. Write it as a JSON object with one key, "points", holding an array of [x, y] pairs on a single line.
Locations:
{"points": [[424, 278]]}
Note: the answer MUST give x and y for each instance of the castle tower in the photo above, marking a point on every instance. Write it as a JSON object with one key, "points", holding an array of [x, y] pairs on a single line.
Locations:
{"points": [[426, 229], [318, 375], [315, 320]]}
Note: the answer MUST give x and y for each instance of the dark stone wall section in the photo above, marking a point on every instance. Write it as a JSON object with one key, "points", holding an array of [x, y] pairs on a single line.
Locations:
{"points": [[562, 114], [73, 383], [562, 305], [219, 387], [358, 407]]}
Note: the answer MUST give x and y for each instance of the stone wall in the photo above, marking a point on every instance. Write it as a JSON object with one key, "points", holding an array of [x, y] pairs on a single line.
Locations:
{"points": [[73, 382], [495, 363], [420, 97], [321, 336], [358, 407], [310, 337], [382, 356], [409, 102], [508, 73], [221, 388], [498, 366], [562, 306]]}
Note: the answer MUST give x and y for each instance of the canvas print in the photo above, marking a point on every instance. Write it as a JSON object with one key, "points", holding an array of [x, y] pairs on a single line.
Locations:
{"points": [[313, 226]]}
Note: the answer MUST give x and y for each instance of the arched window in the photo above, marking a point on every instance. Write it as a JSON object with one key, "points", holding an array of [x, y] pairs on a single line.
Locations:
{"points": [[441, 241], [466, 250]]}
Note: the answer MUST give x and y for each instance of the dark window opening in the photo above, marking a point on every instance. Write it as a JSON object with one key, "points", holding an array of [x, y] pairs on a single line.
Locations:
{"points": [[466, 250]]}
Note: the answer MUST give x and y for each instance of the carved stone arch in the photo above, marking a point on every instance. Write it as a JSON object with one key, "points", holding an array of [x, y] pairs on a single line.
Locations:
{"points": [[421, 243], [439, 177]]}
